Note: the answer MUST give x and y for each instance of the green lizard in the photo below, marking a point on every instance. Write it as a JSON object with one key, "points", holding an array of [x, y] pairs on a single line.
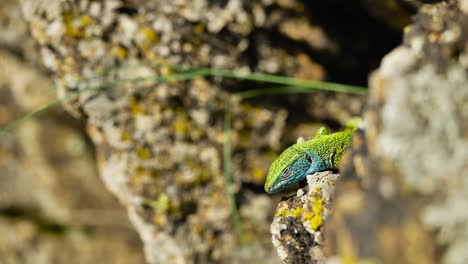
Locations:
{"points": [[323, 152]]}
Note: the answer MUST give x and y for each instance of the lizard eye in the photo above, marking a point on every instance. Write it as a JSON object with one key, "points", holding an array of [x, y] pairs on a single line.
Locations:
{"points": [[309, 159]]}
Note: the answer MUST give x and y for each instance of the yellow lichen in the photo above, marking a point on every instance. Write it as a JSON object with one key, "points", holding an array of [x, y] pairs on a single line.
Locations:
{"points": [[85, 20], [282, 212], [180, 123], [143, 153], [296, 212], [314, 217], [140, 170], [316, 222], [161, 204], [125, 136], [119, 52], [285, 212], [75, 27], [149, 37], [135, 107], [199, 229], [160, 219], [317, 208], [199, 28], [258, 174], [307, 216], [155, 173], [166, 70], [180, 127], [317, 200], [202, 178]]}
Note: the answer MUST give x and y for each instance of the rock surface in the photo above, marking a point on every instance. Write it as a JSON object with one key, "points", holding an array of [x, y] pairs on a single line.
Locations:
{"points": [[403, 187], [297, 227], [159, 145], [53, 206], [403, 190]]}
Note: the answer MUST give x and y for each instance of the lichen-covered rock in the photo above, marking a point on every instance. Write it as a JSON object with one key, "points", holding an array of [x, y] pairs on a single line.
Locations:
{"points": [[297, 229], [403, 190], [51, 198], [29, 241], [159, 144], [53, 206], [15, 35]]}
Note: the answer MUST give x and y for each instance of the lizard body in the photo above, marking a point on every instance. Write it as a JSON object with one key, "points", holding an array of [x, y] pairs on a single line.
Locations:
{"points": [[323, 152]]}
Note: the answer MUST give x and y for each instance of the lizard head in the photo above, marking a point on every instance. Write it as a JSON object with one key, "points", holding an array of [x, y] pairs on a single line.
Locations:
{"points": [[291, 167]]}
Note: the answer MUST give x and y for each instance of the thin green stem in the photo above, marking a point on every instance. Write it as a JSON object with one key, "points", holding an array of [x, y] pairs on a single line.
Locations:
{"points": [[273, 90], [283, 80], [9, 127], [228, 182], [108, 84]]}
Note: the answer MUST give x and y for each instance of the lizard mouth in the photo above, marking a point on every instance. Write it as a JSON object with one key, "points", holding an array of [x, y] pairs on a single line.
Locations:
{"points": [[277, 187]]}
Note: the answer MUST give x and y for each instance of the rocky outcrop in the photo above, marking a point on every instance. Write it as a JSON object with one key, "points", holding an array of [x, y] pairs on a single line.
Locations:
{"points": [[53, 206], [297, 228], [160, 144], [403, 189]]}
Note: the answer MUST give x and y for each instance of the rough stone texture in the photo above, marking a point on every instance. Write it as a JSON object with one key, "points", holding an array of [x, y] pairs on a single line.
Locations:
{"points": [[15, 37], [159, 145], [297, 231], [29, 242], [53, 206], [403, 193]]}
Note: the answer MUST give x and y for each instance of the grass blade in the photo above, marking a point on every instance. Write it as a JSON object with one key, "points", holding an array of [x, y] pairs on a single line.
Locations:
{"points": [[228, 182], [286, 81], [9, 127]]}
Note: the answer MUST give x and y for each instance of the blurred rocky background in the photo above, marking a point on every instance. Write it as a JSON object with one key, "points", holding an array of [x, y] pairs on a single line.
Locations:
{"points": [[53, 206], [157, 147]]}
